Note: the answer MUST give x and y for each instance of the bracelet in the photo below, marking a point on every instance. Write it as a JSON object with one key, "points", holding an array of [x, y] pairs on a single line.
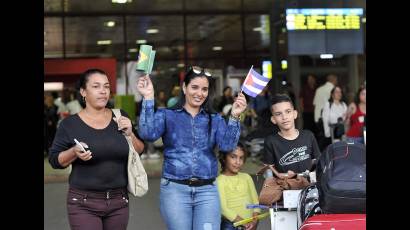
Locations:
{"points": [[235, 118]]}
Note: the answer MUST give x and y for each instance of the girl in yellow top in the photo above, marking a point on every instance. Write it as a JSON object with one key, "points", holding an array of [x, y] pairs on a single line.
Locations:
{"points": [[236, 190]]}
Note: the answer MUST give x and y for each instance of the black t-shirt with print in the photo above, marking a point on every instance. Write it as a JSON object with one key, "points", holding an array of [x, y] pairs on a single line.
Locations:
{"points": [[295, 155]]}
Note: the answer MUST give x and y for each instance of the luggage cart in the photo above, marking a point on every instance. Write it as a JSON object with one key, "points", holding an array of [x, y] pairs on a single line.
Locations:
{"points": [[284, 217]]}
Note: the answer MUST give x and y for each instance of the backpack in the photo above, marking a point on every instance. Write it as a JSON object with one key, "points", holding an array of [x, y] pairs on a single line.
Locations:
{"points": [[341, 178]]}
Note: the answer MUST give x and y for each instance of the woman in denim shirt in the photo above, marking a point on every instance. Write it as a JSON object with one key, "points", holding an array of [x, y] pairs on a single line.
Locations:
{"points": [[190, 130]]}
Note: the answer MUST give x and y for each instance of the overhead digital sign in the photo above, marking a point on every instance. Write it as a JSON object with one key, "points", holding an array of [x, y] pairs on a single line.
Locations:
{"points": [[319, 31]]}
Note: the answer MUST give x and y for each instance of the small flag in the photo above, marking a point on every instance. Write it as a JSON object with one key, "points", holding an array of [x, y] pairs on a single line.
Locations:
{"points": [[146, 58], [151, 61], [254, 83]]}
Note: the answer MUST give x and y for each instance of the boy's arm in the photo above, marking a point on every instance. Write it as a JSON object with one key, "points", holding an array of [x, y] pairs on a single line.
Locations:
{"points": [[268, 153]]}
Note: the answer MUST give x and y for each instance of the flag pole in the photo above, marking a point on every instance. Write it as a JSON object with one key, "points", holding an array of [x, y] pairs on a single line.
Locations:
{"points": [[245, 79]]}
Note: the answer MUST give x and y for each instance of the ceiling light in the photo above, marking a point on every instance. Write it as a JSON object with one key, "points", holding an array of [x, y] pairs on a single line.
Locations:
{"points": [[284, 64], [121, 1], [257, 29], [181, 65], [152, 31], [217, 48], [53, 86], [133, 50], [364, 20], [141, 41], [104, 42], [326, 56], [110, 24], [283, 82]]}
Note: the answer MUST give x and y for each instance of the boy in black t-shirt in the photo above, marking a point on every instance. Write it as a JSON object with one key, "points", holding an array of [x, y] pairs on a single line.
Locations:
{"points": [[290, 150]]}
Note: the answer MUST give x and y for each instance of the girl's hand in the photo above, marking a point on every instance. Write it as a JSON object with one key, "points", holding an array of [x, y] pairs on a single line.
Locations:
{"points": [[124, 123], [85, 156], [239, 105], [145, 87]]}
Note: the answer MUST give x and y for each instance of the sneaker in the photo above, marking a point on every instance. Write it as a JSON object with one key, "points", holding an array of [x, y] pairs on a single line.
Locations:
{"points": [[143, 156], [154, 155]]}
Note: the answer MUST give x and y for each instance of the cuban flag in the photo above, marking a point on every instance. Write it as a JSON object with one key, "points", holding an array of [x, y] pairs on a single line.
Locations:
{"points": [[254, 83]]}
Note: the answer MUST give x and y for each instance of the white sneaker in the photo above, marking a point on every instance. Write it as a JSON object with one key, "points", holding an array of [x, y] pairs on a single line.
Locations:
{"points": [[143, 156], [154, 155]]}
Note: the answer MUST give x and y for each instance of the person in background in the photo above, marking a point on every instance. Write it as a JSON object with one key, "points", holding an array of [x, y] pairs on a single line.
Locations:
{"points": [[306, 103], [190, 131], [356, 117], [236, 190], [322, 94], [260, 107], [334, 112], [226, 98], [73, 106], [61, 103], [50, 121], [172, 101], [161, 100], [97, 196]]}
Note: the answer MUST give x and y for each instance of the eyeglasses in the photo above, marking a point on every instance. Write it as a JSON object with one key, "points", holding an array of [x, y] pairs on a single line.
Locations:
{"points": [[198, 70]]}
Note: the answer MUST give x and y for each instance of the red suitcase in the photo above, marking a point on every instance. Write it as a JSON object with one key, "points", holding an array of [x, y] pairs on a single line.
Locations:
{"points": [[335, 222]]}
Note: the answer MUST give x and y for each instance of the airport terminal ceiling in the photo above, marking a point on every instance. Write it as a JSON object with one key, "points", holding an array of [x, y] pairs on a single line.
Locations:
{"points": [[213, 33], [99, 28]]}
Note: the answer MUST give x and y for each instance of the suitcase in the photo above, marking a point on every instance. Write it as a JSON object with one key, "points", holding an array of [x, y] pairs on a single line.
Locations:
{"points": [[341, 178], [335, 221]]}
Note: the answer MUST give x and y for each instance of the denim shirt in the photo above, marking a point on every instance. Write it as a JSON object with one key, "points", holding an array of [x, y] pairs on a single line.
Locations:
{"points": [[188, 146]]}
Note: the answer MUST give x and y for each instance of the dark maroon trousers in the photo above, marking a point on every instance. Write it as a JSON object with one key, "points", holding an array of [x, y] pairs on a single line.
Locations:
{"points": [[97, 210]]}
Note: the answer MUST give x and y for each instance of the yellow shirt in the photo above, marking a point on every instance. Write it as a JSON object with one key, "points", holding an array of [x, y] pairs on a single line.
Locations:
{"points": [[235, 192]]}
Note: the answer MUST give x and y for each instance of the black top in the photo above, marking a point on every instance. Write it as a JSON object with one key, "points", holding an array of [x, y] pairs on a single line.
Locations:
{"points": [[107, 169], [295, 155]]}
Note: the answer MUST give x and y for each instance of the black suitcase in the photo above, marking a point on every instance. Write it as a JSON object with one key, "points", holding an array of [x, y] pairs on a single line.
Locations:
{"points": [[341, 178]]}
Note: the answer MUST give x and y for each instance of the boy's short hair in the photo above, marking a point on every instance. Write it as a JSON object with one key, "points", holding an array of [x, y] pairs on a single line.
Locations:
{"points": [[278, 98]]}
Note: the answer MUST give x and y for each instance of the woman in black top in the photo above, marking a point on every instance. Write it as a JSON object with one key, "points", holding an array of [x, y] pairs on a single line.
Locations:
{"points": [[97, 196]]}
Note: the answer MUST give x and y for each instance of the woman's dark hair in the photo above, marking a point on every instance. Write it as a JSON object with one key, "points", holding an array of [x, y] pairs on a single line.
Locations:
{"points": [[207, 105], [82, 82], [223, 155], [357, 96], [331, 93]]}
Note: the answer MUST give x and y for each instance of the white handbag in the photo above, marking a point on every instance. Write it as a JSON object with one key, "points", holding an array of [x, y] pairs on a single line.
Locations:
{"points": [[137, 177]]}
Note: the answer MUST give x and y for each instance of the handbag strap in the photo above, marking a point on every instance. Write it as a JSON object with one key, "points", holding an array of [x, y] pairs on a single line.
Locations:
{"points": [[117, 114]]}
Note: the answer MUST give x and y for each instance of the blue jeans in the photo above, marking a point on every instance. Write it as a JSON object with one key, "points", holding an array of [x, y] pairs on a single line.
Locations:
{"points": [[355, 139], [189, 208]]}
